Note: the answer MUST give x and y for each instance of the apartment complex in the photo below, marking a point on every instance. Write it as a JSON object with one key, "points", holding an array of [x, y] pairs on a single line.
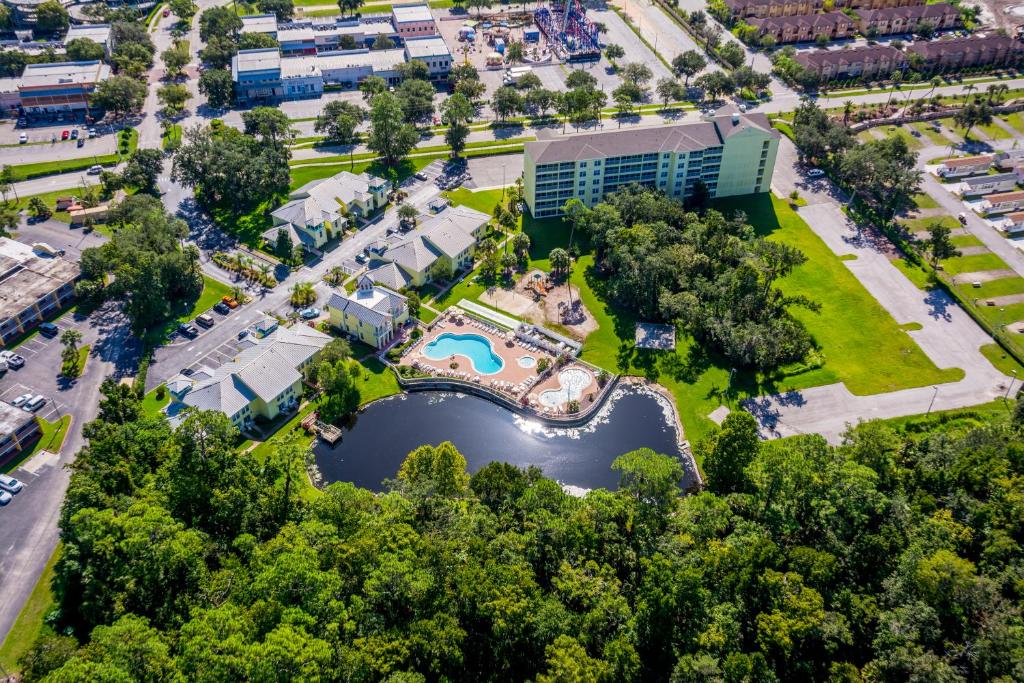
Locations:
{"points": [[889, 20], [373, 314], [32, 287], [60, 87], [743, 9], [958, 53], [18, 429], [731, 153], [804, 27], [854, 62]]}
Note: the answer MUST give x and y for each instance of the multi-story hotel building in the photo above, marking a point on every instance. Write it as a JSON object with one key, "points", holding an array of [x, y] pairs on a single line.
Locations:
{"points": [[732, 153]]}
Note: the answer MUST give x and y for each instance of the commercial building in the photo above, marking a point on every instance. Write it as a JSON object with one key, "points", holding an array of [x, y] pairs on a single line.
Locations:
{"points": [[433, 52], [732, 154], [853, 62], [32, 287], [442, 245], [804, 27], [60, 87], [316, 211], [263, 381], [260, 23], [889, 20], [296, 41], [412, 21], [97, 33], [10, 98], [371, 313], [18, 429]]}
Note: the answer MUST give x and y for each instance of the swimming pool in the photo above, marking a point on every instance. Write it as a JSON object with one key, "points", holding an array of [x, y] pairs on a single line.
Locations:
{"points": [[572, 382], [527, 362], [472, 346]]}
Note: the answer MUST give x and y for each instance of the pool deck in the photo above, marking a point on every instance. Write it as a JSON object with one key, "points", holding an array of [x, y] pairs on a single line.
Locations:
{"points": [[521, 384]]}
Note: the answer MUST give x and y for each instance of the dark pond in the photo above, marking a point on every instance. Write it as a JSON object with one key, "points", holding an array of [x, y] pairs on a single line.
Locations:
{"points": [[377, 441]]}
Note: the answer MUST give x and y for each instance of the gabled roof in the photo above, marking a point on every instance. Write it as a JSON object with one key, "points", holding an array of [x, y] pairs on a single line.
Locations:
{"points": [[934, 49], [413, 254], [968, 161], [297, 236], [389, 275], [994, 178], [373, 305], [325, 199]]}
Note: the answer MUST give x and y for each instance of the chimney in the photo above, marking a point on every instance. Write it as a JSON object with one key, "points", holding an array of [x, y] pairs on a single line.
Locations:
{"points": [[735, 118]]}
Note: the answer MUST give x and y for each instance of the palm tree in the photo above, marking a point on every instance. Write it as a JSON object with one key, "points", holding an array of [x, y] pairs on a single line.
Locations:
{"points": [[896, 77], [968, 89], [847, 111], [935, 84], [264, 268]]}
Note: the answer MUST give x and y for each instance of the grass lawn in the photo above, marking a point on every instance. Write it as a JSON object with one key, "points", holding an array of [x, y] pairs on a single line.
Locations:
{"points": [[902, 132], [52, 438], [1016, 120], [994, 131], [482, 200], [172, 139], [151, 405], [29, 624], [426, 315], [50, 199], [965, 240], [915, 273], [377, 381], [1000, 287], [83, 357], [862, 345], [1001, 316], [213, 291], [922, 224], [923, 200], [933, 136], [971, 264], [1002, 361], [44, 168], [961, 418]]}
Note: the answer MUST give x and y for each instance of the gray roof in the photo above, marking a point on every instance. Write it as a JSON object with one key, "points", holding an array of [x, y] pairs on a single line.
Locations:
{"points": [[683, 137], [369, 303], [449, 232], [263, 370], [986, 179], [12, 419], [296, 235], [403, 13], [414, 254], [26, 276], [389, 275]]}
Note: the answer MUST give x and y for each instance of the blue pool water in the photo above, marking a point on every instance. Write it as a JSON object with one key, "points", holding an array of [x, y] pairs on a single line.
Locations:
{"points": [[472, 346]]}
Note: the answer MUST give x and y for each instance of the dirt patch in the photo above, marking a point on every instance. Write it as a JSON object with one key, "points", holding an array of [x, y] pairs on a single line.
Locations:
{"points": [[985, 275], [508, 300], [551, 304]]}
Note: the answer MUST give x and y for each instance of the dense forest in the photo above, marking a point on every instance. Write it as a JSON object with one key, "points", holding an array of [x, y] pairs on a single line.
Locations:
{"points": [[895, 556]]}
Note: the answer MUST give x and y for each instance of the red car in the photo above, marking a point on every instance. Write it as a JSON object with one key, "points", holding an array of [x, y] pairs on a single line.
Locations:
{"points": [[65, 135]]}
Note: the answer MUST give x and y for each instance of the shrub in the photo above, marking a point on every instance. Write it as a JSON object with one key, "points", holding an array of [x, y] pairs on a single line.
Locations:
{"points": [[160, 392], [542, 365], [573, 406]]}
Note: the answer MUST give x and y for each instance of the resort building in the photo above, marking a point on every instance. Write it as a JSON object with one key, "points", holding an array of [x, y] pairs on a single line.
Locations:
{"points": [[18, 429], [412, 21], [889, 20], [853, 62], [441, 246], [263, 381], [97, 33], [732, 154], [372, 314], [804, 27], [317, 211], [60, 87], [964, 166], [32, 287], [987, 184]]}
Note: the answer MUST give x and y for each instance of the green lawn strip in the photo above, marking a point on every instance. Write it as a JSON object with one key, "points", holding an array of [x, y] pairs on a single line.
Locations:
{"points": [[45, 168], [29, 624], [982, 415], [922, 224], [974, 263], [172, 139], [1001, 316], [1016, 120], [83, 358], [923, 200], [151, 405], [426, 315], [966, 241], [915, 273], [51, 439], [935, 137], [213, 291], [1002, 361], [994, 288], [994, 131], [901, 132]]}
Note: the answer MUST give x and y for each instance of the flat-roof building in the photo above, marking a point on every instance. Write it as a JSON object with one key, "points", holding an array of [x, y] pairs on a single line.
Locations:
{"points": [[431, 51], [732, 154], [413, 20], [296, 41], [18, 429], [260, 23], [32, 287], [97, 33], [60, 87]]}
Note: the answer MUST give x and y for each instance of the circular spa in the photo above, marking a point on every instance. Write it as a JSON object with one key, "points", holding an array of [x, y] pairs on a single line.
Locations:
{"points": [[527, 362], [474, 347], [572, 382]]}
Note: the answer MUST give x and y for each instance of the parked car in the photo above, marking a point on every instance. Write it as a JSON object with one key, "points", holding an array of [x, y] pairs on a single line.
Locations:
{"points": [[12, 359], [187, 371], [187, 329], [420, 176], [206, 320], [10, 484], [962, 218], [5, 498], [23, 138], [92, 132], [360, 258], [815, 173], [222, 308], [243, 334], [48, 330], [20, 400], [95, 169], [231, 303], [309, 313], [81, 142], [34, 403], [74, 133], [65, 134]]}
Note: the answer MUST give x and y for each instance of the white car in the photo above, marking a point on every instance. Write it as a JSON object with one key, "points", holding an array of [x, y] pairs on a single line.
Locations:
{"points": [[95, 170], [815, 173], [20, 400], [5, 498], [23, 138], [10, 484]]}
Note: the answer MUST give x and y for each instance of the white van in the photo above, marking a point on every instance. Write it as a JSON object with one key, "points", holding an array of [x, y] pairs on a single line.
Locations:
{"points": [[44, 248], [34, 403]]}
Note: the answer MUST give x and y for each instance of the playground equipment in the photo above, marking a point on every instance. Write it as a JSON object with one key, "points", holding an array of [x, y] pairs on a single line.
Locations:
{"points": [[568, 30]]}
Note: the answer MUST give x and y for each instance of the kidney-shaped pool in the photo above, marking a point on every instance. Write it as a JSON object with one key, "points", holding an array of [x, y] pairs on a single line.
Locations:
{"points": [[475, 348]]}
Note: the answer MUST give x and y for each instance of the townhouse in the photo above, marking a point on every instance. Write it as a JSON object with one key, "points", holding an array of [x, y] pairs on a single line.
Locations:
{"points": [[889, 20], [730, 153], [744, 9], [959, 53], [804, 27], [855, 62]]}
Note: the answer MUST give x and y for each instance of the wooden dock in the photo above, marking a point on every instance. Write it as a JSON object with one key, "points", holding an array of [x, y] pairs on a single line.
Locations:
{"points": [[327, 432]]}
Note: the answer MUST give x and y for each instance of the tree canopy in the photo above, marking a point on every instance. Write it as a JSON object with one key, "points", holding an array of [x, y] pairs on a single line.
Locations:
{"points": [[893, 556]]}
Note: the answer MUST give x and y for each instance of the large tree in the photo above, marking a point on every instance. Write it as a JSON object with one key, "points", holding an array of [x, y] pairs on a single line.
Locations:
{"points": [[217, 86], [51, 17], [119, 96], [338, 121], [389, 136], [84, 50]]}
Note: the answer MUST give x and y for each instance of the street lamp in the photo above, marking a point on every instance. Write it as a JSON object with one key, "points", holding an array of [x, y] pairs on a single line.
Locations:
{"points": [[932, 401], [1010, 385]]}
